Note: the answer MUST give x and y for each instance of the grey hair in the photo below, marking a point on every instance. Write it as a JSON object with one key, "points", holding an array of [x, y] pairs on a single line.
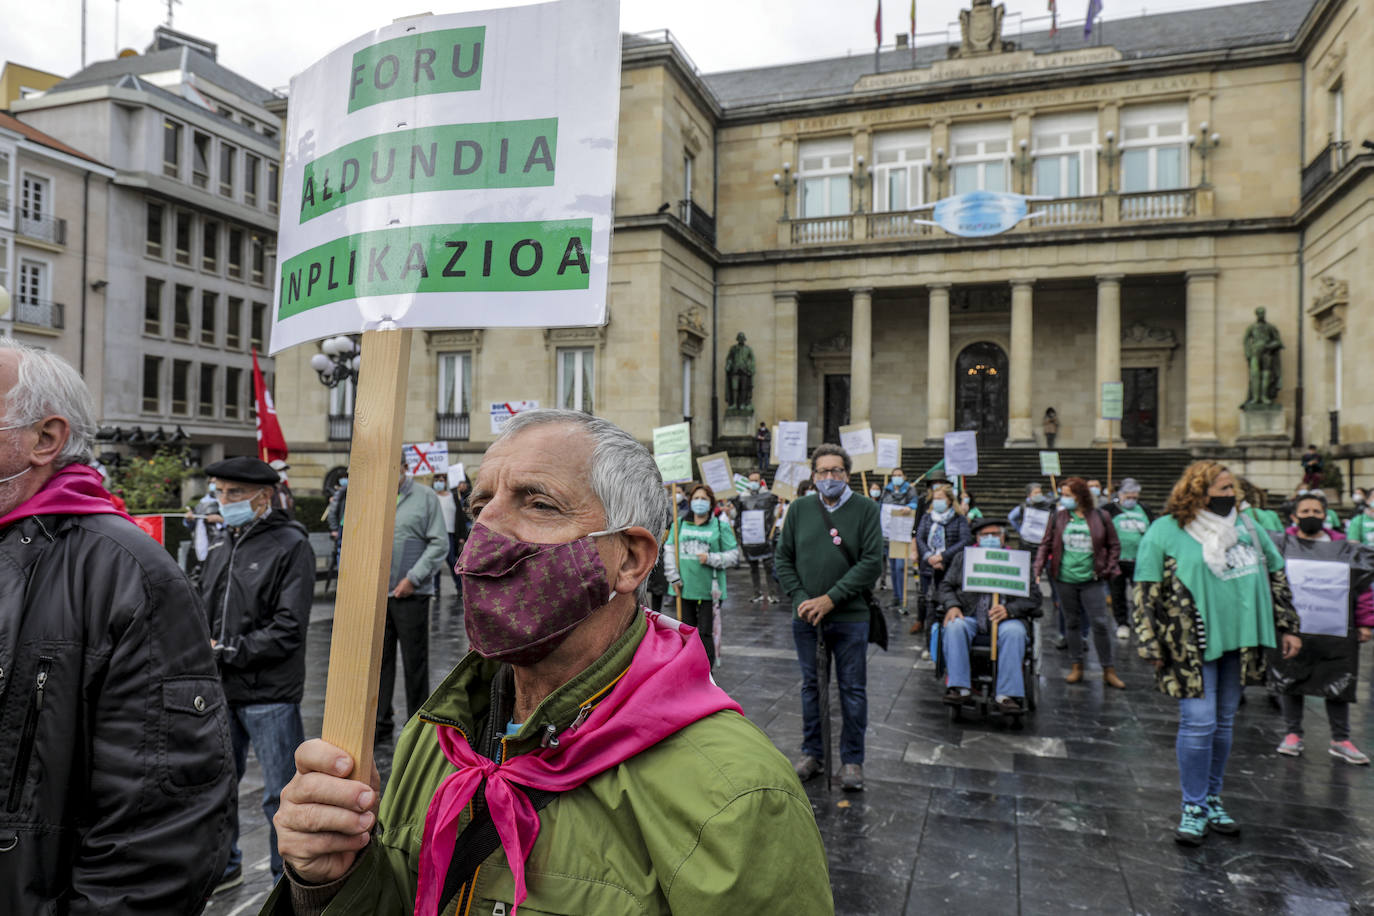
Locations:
{"points": [[625, 477], [49, 386]]}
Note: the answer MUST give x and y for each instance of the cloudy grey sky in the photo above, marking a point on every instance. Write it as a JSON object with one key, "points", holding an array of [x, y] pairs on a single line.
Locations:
{"points": [[270, 40]]}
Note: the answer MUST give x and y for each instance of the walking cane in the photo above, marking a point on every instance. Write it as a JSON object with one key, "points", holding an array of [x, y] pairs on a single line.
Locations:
{"points": [[823, 688]]}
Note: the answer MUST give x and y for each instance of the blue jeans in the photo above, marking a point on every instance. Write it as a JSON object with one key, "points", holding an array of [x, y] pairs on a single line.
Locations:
{"points": [[1204, 729], [898, 579], [848, 644], [275, 731], [958, 637]]}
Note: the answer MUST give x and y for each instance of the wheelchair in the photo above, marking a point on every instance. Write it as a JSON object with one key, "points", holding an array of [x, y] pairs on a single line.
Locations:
{"points": [[983, 673]]}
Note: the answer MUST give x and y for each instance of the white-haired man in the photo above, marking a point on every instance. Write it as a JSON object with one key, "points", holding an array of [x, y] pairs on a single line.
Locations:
{"points": [[579, 759], [116, 748]]}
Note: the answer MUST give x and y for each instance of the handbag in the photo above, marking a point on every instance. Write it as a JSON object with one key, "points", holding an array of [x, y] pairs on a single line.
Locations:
{"points": [[877, 623]]}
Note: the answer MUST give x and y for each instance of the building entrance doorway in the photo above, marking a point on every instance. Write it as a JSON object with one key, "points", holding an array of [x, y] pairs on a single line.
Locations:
{"points": [[836, 407], [1140, 410], [980, 393]]}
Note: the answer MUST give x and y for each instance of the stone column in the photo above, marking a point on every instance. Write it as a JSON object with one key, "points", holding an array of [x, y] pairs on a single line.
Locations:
{"points": [[861, 355], [937, 364], [1200, 342], [785, 359], [1019, 413], [1108, 347]]}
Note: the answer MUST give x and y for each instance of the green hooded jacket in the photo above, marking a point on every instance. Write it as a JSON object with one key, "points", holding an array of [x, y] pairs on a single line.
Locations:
{"points": [[710, 820]]}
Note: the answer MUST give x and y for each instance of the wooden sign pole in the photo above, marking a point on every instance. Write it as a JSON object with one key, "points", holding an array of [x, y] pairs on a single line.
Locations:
{"points": [[355, 650], [996, 600], [1109, 456], [863, 476]]}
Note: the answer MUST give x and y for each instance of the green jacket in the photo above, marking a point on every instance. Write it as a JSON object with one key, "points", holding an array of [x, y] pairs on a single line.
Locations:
{"points": [[1360, 529], [420, 545], [809, 564], [710, 820]]}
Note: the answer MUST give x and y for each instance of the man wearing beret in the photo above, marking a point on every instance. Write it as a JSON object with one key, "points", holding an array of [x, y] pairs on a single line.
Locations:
{"points": [[258, 584]]}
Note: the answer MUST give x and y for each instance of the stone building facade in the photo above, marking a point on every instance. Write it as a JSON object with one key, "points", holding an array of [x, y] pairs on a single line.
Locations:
{"points": [[1186, 169]]}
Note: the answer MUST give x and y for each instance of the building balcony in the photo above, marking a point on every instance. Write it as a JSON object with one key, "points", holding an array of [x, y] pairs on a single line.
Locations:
{"points": [[450, 427], [47, 229], [696, 218], [340, 428], [40, 313], [1326, 163]]}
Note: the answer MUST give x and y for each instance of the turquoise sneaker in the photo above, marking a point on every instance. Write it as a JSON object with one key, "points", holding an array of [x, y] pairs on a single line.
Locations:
{"points": [[1192, 827], [1218, 819]]}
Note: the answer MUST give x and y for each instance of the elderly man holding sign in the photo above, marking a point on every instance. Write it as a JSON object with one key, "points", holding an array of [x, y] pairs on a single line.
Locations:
{"points": [[579, 759]]}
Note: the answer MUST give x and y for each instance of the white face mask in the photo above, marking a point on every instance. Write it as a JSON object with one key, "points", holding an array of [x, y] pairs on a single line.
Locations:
{"points": [[27, 469]]}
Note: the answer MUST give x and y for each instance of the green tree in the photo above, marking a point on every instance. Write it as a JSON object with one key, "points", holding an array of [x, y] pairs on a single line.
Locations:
{"points": [[153, 484]]}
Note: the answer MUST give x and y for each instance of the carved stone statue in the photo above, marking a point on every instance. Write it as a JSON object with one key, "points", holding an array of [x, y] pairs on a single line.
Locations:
{"points": [[1262, 346], [739, 376], [981, 28]]}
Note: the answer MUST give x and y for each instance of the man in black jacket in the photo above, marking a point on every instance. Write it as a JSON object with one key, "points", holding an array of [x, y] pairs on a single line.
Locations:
{"points": [[759, 553], [116, 779], [258, 584], [970, 615]]}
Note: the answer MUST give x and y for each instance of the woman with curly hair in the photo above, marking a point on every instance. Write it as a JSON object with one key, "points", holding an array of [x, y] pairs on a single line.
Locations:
{"points": [[1210, 596]]}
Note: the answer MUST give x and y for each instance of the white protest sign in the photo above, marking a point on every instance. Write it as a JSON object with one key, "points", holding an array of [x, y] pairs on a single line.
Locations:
{"points": [[788, 477], [1321, 595], [715, 472], [456, 475], [889, 453], [961, 454], [857, 440], [452, 171], [501, 411], [994, 570], [773, 447], [791, 441], [896, 522], [753, 529], [1033, 525], [425, 458], [673, 452], [1049, 464]]}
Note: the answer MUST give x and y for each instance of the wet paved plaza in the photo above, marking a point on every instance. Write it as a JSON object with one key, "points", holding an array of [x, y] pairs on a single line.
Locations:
{"points": [[1073, 812]]}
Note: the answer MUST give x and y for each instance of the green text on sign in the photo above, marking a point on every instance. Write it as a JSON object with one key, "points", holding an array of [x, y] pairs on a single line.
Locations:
{"points": [[997, 569], [1005, 585], [424, 63], [471, 257], [493, 154]]}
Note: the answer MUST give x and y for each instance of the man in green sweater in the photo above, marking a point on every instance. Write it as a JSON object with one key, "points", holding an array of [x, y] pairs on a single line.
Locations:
{"points": [[831, 551]]}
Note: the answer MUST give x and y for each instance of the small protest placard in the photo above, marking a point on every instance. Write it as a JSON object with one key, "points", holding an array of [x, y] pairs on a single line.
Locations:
{"points": [[889, 452], [673, 452], [740, 484], [1049, 464], [426, 458], [788, 477], [961, 454], [1113, 400], [716, 473], [501, 411], [753, 527], [791, 441], [457, 473], [1033, 525], [897, 522], [1321, 595], [857, 440], [994, 570]]}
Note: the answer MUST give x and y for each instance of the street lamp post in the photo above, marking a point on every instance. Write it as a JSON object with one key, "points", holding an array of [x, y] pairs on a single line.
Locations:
{"points": [[1024, 162], [939, 171], [861, 179], [1204, 144], [338, 363], [1109, 156], [785, 182]]}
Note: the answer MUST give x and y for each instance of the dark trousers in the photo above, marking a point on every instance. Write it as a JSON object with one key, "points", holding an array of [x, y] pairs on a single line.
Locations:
{"points": [[1121, 586], [762, 582], [848, 645], [701, 614], [274, 730], [452, 566], [407, 620], [1088, 599], [656, 602], [1337, 716], [1049, 441]]}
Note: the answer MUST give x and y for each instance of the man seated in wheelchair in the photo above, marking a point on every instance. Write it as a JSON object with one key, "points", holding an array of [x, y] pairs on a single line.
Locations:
{"points": [[968, 618]]}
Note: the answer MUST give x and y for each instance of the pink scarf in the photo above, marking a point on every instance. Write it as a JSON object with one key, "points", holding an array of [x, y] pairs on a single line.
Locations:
{"points": [[667, 687], [74, 490]]}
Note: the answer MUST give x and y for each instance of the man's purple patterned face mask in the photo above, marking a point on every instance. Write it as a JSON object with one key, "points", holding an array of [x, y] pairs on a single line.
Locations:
{"points": [[522, 600]]}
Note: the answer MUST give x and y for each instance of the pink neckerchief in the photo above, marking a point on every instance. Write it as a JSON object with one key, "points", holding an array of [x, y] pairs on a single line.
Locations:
{"points": [[74, 490], [667, 687]]}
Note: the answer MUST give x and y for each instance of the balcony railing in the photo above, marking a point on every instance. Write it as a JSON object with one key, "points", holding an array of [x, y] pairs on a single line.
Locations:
{"points": [[1333, 419], [1149, 205], [899, 224], [698, 219], [40, 228], [40, 313], [1065, 211], [1328, 162], [822, 229], [451, 426], [340, 427]]}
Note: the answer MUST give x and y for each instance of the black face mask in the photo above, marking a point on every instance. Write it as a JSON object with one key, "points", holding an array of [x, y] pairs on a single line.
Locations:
{"points": [[1310, 524], [1221, 505]]}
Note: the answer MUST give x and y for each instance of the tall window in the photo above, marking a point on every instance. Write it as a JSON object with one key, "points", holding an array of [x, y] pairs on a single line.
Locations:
{"points": [[209, 245], [688, 364], [1065, 151], [200, 159], [35, 206], [235, 254], [209, 313], [4, 181], [181, 312], [233, 392], [171, 149], [455, 383], [183, 237], [576, 379], [152, 306], [207, 389], [900, 159], [228, 158], [273, 181], [152, 384], [257, 326], [181, 385], [258, 258], [233, 324], [156, 214], [4, 262], [1154, 147], [1337, 113], [823, 177], [688, 161], [250, 179], [979, 156], [33, 282]]}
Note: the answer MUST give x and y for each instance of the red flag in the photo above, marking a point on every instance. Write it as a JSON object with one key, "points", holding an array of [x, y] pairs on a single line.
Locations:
{"points": [[271, 443], [1054, 19], [878, 24]]}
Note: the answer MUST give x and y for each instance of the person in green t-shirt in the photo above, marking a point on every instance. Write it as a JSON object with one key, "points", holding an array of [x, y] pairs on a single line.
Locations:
{"points": [[1210, 595], [1360, 528], [696, 571], [1082, 551], [1130, 517]]}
